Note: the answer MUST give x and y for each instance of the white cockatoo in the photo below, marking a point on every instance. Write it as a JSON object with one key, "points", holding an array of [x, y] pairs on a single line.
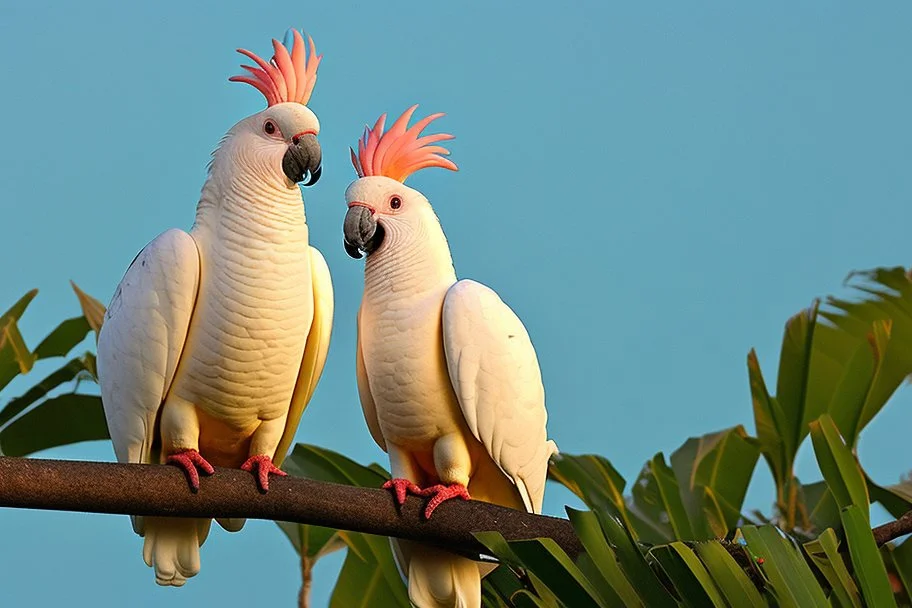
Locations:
{"points": [[215, 339], [448, 378]]}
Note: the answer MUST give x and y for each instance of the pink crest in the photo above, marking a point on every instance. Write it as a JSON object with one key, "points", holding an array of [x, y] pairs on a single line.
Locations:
{"points": [[288, 76], [400, 151]]}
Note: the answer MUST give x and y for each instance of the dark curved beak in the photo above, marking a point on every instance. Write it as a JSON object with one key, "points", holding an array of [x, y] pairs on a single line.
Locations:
{"points": [[302, 159], [362, 234]]}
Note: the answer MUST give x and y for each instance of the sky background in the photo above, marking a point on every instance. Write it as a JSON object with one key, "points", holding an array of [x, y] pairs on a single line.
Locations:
{"points": [[654, 188]]}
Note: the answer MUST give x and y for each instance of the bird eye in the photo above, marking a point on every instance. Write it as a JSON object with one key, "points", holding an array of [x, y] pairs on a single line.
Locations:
{"points": [[270, 127], [395, 202]]}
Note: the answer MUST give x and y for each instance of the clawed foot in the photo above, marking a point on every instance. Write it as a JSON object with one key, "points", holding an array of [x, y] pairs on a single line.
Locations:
{"points": [[441, 493], [264, 467], [190, 461], [438, 493], [401, 488]]}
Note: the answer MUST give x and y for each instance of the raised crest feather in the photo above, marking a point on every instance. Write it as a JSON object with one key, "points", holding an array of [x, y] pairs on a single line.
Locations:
{"points": [[400, 151], [289, 76]]}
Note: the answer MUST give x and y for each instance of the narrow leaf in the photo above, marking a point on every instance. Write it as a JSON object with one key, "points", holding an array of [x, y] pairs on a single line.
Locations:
{"points": [[857, 375], [61, 376], [869, 567], [603, 558], [884, 318], [16, 310], [326, 465], [768, 418], [313, 542], [902, 561], [822, 508], [842, 368], [64, 337], [789, 575], [688, 575], [15, 356], [633, 563], [657, 499], [498, 587], [723, 462], [369, 577], [551, 564], [524, 598], [794, 367], [379, 552], [894, 365], [595, 481], [824, 552], [729, 576], [62, 420], [896, 498], [838, 465], [92, 309]]}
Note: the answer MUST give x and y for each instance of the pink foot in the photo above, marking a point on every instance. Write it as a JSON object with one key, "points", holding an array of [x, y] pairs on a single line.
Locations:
{"points": [[189, 461], [441, 493], [401, 488], [264, 467]]}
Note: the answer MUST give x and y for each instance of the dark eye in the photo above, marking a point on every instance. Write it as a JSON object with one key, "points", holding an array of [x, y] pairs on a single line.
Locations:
{"points": [[395, 202], [269, 127]]}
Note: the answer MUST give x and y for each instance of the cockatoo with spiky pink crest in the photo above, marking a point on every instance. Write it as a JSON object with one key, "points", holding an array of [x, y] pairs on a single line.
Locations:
{"points": [[448, 379], [215, 339]]}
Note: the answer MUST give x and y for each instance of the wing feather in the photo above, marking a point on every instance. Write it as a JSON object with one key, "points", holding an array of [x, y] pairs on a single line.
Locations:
{"points": [[367, 400], [497, 380], [142, 337], [315, 350]]}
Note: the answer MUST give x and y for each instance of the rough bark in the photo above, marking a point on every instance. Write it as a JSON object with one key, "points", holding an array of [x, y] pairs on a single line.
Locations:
{"points": [[133, 489]]}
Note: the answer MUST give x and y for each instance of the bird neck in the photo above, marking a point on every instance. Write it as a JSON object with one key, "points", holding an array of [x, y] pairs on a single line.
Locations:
{"points": [[413, 261], [243, 201]]}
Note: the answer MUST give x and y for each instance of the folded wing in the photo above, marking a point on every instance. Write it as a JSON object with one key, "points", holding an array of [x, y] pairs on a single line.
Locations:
{"points": [[497, 380], [314, 352], [141, 340]]}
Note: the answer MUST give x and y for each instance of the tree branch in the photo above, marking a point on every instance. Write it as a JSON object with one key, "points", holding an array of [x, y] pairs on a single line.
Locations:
{"points": [[134, 489], [894, 529]]}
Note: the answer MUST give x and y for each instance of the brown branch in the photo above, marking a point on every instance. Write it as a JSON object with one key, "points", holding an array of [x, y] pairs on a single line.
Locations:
{"points": [[102, 487], [133, 489], [894, 529]]}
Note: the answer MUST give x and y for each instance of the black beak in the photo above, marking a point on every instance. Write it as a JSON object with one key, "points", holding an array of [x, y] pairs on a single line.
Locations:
{"points": [[361, 231], [303, 157]]}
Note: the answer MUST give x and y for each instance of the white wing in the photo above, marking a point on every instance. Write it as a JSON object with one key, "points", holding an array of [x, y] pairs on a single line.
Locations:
{"points": [[495, 374], [367, 400], [142, 337], [315, 351]]}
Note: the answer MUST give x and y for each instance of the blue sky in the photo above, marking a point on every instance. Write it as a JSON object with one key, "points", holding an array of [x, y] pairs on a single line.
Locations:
{"points": [[653, 188]]}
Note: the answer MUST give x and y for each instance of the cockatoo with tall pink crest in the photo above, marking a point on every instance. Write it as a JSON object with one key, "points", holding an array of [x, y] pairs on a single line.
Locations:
{"points": [[215, 339], [448, 378]]}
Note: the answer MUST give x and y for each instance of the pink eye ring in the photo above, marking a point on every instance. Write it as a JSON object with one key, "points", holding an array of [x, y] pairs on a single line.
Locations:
{"points": [[395, 202]]}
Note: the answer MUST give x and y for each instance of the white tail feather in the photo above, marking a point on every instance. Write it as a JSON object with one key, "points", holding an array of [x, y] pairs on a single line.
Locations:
{"points": [[171, 547], [439, 579]]}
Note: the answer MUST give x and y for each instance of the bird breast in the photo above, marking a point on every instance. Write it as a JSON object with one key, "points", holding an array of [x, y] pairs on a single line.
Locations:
{"points": [[251, 321], [402, 345]]}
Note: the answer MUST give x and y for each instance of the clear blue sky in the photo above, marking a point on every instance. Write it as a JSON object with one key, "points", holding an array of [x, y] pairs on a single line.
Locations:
{"points": [[654, 189]]}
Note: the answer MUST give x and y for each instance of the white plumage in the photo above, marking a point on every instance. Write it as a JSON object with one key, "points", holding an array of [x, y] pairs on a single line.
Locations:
{"points": [[144, 332], [495, 374], [448, 378], [215, 339]]}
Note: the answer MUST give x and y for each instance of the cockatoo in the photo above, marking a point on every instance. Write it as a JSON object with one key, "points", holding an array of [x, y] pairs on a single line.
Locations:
{"points": [[448, 379], [215, 339]]}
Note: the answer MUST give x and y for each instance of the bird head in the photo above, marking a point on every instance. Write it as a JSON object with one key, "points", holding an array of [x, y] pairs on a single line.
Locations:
{"points": [[280, 144], [381, 208]]}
